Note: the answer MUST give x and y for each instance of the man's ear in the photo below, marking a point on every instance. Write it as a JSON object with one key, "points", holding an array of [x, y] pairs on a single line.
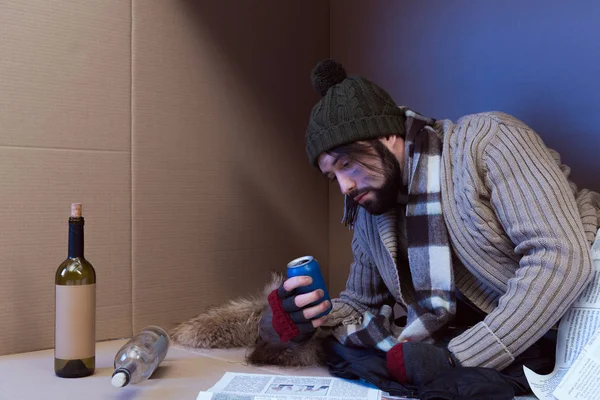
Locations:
{"points": [[389, 141], [394, 143]]}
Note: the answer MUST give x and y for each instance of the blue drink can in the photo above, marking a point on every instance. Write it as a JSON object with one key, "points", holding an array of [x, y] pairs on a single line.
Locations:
{"points": [[308, 266]]}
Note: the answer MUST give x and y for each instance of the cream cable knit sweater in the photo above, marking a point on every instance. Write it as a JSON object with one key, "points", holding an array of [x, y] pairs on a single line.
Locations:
{"points": [[520, 230]]}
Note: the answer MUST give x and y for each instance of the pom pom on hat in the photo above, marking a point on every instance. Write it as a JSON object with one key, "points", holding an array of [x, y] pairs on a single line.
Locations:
{"points": [[326, 74]]}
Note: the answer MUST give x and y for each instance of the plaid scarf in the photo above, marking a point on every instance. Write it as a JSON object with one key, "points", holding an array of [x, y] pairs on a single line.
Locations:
{"points": [[433, 302]]}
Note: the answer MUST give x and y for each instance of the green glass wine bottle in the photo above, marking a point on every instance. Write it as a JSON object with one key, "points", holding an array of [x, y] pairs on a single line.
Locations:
{"points": [[75, 307]]}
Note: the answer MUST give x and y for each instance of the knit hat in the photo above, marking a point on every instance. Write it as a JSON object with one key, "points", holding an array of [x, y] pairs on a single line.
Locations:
{"points": [[352, 108]]}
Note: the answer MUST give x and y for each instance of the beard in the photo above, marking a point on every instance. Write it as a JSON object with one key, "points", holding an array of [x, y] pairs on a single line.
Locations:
{"points": [[386, 197]]}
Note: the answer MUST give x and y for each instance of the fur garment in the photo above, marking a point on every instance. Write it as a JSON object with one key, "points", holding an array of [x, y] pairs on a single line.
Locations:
{"points": [[246, 322]]}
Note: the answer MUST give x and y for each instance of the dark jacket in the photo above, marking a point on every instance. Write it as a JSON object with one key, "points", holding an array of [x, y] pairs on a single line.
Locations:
{"points": [[472, 383]]}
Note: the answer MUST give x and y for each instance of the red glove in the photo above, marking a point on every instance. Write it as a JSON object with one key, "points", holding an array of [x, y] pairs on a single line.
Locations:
{"points": [[418, 363], [288, 319]]}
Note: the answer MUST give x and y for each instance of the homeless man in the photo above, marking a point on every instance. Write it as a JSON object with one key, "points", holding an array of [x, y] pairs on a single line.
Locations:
{"points": [[477, 213]]}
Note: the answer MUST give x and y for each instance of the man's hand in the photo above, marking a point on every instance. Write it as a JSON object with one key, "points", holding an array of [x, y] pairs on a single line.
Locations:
{"points": [[292, 320], [418, 363]]}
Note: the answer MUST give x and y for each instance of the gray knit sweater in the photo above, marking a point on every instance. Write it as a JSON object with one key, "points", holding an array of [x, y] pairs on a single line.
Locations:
{"points": [[520, 231]]}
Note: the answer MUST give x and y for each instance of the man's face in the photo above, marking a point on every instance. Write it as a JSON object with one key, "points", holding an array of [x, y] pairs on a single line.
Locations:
{"points": [[372, 178]]}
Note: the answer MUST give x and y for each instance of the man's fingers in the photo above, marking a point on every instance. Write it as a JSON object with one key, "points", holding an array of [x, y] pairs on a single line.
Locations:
{"points": [[312, 312], [319, 321], [296, 281], [303, 300]]}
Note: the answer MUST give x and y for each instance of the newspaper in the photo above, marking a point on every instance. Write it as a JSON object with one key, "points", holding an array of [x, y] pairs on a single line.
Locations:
{"points": [[577, 349], [581, 382], [238, 386]]}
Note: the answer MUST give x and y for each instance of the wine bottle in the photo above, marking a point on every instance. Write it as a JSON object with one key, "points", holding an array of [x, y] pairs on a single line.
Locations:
{"points": [[75, 307]]}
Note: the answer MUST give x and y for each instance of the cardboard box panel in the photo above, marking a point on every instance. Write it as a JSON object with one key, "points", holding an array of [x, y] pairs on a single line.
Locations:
{"points": [[222, 190], [38, 187], [65, 68]]}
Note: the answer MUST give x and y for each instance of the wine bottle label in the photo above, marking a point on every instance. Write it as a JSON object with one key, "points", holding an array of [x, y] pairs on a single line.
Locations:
{"points": [[75, 322]]}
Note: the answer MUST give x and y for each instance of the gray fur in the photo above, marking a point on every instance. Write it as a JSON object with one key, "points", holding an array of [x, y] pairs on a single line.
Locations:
{"points": [[246, 322]]}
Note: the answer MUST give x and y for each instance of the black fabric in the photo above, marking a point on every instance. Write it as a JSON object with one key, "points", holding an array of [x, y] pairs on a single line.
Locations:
{"points": [[467, 313], [457, 383], [488, 384], [468, 384], [363, 364]]}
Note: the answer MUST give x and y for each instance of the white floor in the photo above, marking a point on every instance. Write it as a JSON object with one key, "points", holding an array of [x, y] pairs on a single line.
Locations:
{"points": [[181, 375]]}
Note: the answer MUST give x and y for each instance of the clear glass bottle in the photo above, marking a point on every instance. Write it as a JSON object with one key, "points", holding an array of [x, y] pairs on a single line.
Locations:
{"points": [[140, 356]]}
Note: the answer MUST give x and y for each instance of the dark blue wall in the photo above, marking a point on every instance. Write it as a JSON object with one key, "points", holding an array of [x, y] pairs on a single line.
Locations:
{"points": [[537, 60]]}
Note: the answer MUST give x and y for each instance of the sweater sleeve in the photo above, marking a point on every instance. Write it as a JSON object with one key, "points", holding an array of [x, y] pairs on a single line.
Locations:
{"points": [[365, 289], [535, 206]]}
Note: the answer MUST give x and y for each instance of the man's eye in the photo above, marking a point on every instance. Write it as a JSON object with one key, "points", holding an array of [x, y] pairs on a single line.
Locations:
{"points": [[346, 164]]}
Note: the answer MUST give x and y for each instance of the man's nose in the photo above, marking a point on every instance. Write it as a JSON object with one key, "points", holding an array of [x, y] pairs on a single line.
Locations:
{"points": [[346, 185]]}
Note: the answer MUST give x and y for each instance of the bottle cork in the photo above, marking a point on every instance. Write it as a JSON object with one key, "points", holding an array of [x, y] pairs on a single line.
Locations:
{"points": [[76, 210]]}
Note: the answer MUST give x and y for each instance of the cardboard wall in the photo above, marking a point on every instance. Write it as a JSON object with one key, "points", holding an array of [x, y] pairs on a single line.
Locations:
{"points": [[180, 127], [222, 189], [64, 137]]}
